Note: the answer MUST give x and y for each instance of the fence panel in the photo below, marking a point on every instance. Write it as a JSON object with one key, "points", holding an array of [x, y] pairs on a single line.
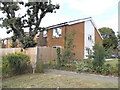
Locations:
{"points": [[36, 53]]}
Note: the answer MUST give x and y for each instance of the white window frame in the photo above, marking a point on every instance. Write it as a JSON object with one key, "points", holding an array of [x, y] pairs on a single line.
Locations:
{"points": [[58, 47], [57, 32], [44, 33], [90, 37]]}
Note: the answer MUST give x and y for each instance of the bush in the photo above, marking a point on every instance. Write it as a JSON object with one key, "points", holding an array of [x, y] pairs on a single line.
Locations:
{"points": [[113, 71], [39, 67], [98, 55], [84, 66], [15, 63], [5, 68]]}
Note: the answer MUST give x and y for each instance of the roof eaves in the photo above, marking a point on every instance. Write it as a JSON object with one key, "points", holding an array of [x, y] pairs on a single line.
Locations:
{"points": [[69, 23]]}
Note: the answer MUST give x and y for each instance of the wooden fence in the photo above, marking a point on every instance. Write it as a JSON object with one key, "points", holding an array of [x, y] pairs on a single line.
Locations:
{"points": [[36, 53]]}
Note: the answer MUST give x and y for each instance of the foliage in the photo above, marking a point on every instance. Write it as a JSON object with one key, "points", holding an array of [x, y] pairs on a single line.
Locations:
{"points": [[68, 54], [31, 20], [98, 55], [58, 57], [105, 69], [84, 66], [5, 67], [39, 66], [109, 38], [15, 63], [52, 65], [109, 53], [71, 66], [97, 64]]}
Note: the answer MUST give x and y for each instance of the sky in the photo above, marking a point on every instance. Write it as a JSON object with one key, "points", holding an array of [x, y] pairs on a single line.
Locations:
{"points": [[103, 12]]}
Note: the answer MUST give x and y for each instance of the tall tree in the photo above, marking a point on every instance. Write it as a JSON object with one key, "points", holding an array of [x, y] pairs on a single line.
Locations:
{"points": [[31, 20], [109, 38]]}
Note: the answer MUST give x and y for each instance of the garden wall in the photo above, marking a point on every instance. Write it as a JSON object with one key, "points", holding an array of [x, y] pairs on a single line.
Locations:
{"points": [[36, 53]]}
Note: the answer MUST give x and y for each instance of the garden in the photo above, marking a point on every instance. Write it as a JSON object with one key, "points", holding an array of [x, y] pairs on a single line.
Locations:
{"points": [[17, 71]]}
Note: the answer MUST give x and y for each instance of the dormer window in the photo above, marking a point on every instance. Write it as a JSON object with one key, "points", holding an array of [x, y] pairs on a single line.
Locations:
{"points": [[57, 32]]}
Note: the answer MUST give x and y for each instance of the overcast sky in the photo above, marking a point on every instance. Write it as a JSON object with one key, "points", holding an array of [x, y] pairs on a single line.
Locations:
{"points": [[103, 12]]}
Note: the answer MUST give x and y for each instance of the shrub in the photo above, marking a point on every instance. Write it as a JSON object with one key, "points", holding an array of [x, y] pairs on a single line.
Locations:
{"points": [[5, 67], [84, 66], [98, 55], [39, 66], [113, 70], [52, 64], [15, 63], [58, 58]]}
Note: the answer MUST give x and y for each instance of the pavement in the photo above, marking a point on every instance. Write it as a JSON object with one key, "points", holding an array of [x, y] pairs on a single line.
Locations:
{"points": [[83, 75]]}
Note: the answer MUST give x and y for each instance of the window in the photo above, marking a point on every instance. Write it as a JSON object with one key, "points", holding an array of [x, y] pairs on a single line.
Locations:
{"points": [[89, 51], [44, 33], [89, 37], [58, 47], [57, 32]]}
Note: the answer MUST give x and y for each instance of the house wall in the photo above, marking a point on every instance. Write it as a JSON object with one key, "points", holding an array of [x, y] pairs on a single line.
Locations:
{"points": [[89, 31], [82, 31], [98, 38], [55, 41], [78, 38]]}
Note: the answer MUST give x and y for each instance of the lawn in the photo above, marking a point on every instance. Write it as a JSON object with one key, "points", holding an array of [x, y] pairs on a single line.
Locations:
{"points": [[46, 80], [112, 62]]}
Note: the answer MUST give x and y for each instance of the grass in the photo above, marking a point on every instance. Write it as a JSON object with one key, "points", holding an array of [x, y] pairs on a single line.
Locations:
{"points": [[0, 73], [112, 62], [46, 80]]}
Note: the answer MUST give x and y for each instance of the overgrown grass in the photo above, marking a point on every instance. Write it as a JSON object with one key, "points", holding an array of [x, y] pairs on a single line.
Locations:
{"points": [[46, 80]]}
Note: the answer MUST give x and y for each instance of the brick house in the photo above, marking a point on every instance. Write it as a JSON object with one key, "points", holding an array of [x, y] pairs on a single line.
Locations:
{"points": [[86, 35]]}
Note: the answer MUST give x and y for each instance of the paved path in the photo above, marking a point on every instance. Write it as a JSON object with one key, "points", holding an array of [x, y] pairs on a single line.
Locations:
{"points": [[83, 75]]}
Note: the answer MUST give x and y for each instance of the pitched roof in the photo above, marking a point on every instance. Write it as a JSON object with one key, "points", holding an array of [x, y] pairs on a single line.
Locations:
{"points": [[74, 22]]}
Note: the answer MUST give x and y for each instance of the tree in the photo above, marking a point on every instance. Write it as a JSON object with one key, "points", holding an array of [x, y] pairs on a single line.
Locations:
{"points": [[109, 38], [31, 20], [98, 55]]}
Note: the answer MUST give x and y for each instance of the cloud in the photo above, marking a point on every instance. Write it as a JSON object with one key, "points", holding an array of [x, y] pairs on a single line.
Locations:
{"points": [[89, 7]]}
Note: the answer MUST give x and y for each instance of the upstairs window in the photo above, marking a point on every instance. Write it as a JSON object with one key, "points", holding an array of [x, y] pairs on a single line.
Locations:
{"points": [[57, 32], [90, 37], [44, 33]]}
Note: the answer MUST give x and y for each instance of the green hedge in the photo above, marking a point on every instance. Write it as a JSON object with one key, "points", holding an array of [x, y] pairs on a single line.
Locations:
{"points": [[14, 63]]}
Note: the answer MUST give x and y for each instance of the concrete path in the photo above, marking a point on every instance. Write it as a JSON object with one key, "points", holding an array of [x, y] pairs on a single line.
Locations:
{"points": [[83, 75]]}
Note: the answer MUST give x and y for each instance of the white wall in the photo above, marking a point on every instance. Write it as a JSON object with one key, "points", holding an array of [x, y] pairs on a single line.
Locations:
{"points": [[89, 30]]}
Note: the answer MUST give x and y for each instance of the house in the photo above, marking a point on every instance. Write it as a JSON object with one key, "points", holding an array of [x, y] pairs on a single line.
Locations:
{"points": [[86, 35]]}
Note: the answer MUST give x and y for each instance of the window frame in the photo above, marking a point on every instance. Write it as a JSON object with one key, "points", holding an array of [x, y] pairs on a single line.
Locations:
{"points": [[59, 34]]}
